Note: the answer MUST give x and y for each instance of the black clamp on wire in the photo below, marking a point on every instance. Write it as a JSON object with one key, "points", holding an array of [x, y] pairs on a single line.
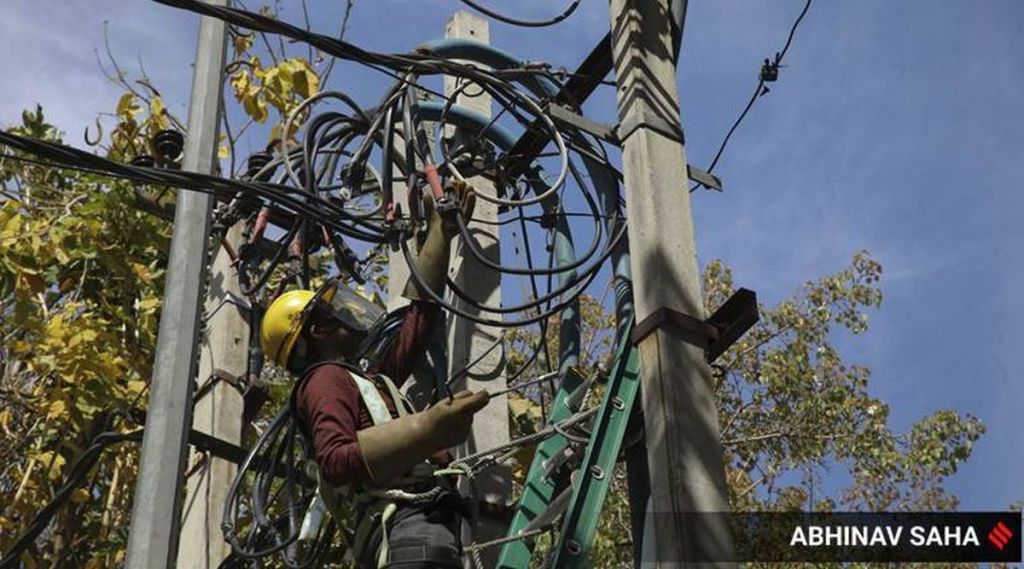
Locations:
{"points": [[445, 205], [713, 335]]}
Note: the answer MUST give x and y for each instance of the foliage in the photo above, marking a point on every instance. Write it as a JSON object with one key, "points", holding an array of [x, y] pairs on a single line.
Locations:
{"points": [[81, 273], [791, 411], [82, 270], [282, 85]]}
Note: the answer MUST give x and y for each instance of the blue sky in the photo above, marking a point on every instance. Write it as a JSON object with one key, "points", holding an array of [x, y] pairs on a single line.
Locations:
{"points": [[895, 128]]}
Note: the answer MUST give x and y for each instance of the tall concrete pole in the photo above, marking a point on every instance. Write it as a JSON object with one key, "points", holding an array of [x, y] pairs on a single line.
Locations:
{"points": [[153, 538], [223, 359], [684, 450], [420, 388], [468, 341]]}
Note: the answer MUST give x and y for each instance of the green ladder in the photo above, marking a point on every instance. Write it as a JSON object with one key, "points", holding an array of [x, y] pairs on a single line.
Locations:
{"points": [[594, 474]]}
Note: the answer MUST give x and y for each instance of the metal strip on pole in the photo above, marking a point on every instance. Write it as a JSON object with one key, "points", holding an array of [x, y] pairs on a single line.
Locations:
{"points": [[684, 451], [153, 538]]}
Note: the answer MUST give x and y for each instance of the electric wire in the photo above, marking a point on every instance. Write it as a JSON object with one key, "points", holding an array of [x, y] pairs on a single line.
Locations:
{"points": [[759, 91], [313, 190], [524, 23]]}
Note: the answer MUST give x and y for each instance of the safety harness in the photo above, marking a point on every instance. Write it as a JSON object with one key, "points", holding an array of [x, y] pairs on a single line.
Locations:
{"points": [[372, 504]]}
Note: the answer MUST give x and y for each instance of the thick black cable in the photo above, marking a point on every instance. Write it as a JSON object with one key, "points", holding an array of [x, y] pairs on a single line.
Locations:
{"points": [[524, 23], [487, 321]]}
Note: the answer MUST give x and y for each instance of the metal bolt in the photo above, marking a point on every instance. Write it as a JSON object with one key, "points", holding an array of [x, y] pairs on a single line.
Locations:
{"points": [[597, 472], [573, 547], [617, 403]]}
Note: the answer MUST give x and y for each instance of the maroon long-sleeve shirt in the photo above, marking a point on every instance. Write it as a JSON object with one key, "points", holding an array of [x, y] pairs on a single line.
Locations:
{"points": [[331, 409]]}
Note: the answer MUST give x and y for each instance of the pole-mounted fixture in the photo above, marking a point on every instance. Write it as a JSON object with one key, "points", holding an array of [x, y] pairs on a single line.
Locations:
{"points": [[713, 335], [168, 145]]}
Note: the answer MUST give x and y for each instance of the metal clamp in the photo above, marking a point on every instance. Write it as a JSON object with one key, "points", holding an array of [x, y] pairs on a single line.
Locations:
{"points": [[713, 335]]}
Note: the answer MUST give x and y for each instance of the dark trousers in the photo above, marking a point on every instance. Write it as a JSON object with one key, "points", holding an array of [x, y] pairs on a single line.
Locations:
{"points": [[420, 536]]}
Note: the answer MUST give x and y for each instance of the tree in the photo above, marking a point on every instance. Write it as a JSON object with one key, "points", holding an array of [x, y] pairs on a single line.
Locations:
{"points": [[82, 264], [81, 272], [791, 409], [81, 269]]}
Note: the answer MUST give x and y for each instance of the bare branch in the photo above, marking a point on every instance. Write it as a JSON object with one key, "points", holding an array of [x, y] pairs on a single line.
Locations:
{"points": [[341, 36]]}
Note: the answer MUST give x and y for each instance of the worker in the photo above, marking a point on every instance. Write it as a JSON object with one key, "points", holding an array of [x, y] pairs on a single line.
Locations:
{"points": [[366, 439]]}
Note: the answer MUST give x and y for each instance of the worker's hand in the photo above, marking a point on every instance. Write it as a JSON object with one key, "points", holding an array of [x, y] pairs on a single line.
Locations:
{"points": [[464, 197], [449, 421]]}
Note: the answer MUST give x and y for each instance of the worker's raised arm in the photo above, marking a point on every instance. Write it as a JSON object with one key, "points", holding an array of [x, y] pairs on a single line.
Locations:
{"points": [[422, 318], [442, 226]]}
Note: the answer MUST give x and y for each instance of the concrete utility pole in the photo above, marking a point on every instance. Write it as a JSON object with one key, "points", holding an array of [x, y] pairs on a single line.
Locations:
{"points": [[153, 538], [420, 388], [683, 443], [467, 340], [222, 361]]}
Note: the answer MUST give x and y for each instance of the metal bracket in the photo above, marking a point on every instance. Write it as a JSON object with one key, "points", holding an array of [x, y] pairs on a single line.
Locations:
{"points": [[651, 120], [701, 177], [567, 117], [713, 335], [216, 376], [564, 116]]}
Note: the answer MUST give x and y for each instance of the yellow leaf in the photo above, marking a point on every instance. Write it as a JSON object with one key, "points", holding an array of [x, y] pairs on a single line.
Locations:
{"points": [[223, 152], [44, 459], [80, 496], [519, 406], [126, 106], [243, 43], [158, 113], [149, 304], [57, 408], [55, 329], [57, 468], [142, 272], [257, 67], [304, 78], [136, 386], [240, 83], [255, 107]]}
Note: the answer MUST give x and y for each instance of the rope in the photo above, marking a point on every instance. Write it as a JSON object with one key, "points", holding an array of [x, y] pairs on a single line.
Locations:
{"points": [[406, 496]]}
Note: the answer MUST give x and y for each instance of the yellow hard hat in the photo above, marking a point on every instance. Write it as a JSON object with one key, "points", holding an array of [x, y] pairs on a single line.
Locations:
{"points": [[285, 317]]}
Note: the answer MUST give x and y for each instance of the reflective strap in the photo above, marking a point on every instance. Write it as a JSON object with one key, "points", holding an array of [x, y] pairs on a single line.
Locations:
{"points": [[382, 555], [374, 402], [314, 518], [396, 396]]}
